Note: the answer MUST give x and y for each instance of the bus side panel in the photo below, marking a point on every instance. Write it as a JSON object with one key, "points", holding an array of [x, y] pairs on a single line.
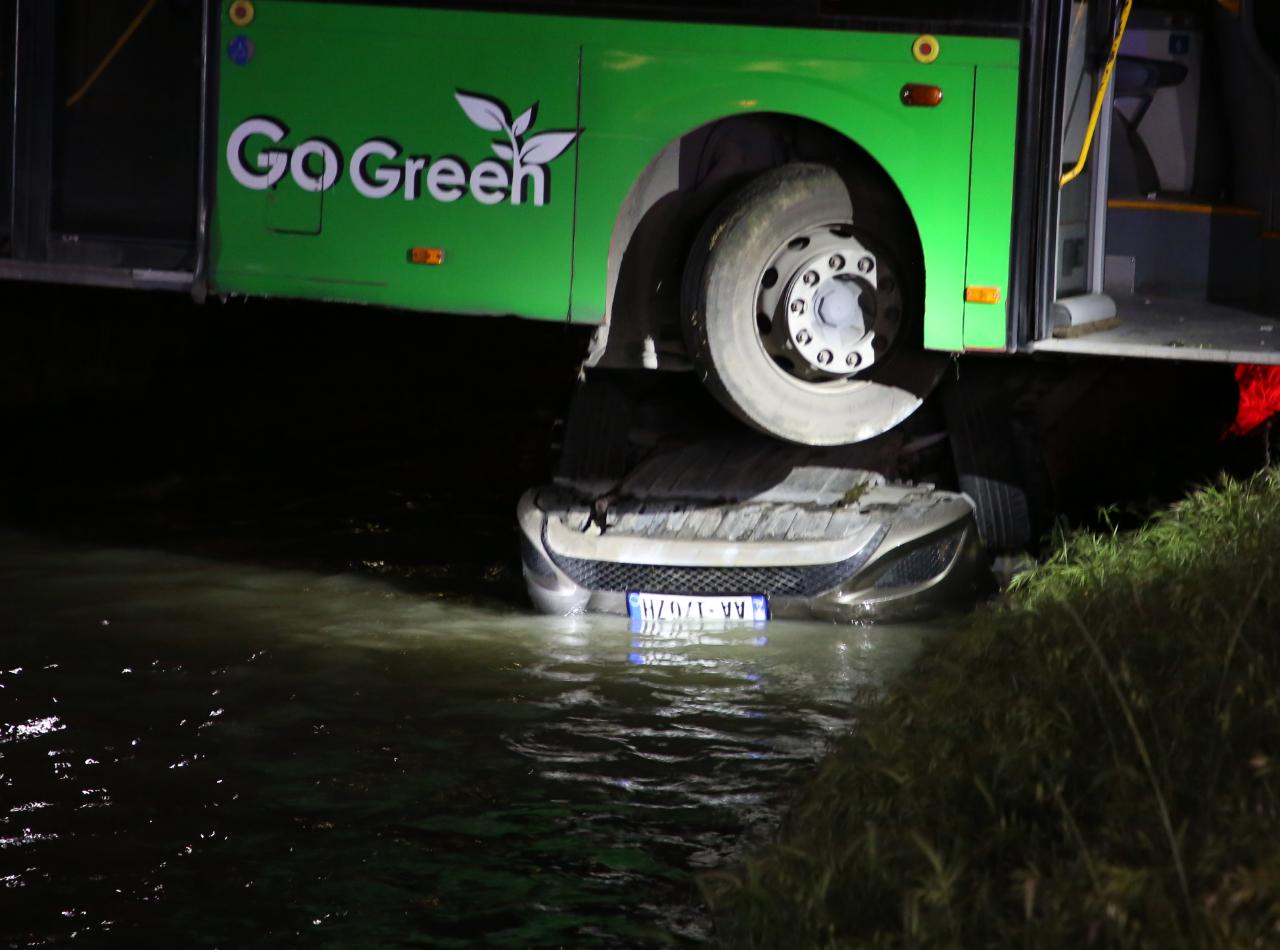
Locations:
{"points": [[338, 77], [645, 85], [991, 204]]}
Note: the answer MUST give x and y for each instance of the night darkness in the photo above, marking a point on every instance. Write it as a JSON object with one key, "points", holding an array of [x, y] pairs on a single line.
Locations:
{"points": [[270, 670]]}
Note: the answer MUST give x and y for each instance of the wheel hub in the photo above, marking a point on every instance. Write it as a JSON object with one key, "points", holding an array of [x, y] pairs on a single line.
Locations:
{"points": [[837, 306], [830, 305]]}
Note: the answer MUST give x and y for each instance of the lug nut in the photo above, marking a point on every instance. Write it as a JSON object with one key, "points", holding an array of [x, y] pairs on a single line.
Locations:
{"points": [[803, 337], [865, 265], [797, 306], [836, 262], [852, 359], [824, 357], [810, 277]]}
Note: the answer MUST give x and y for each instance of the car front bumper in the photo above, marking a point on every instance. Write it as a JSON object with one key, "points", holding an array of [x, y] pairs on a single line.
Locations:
{"points": [[908, 552]]}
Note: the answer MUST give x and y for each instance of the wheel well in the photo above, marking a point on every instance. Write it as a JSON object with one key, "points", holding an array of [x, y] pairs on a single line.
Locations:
{"points": [[673, 196]]}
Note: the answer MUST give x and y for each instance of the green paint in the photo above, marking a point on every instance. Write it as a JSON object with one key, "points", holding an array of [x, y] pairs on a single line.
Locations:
{"points": [[991, 207], [350, 74]]}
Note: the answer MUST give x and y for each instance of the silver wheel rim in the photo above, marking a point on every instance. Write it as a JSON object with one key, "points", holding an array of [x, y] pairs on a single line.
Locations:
{"points": [[827, 308]]}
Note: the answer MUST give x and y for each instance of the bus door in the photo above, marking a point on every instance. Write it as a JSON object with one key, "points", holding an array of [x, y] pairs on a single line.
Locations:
{"points": [[1172, 194], [99, 174], [1082, 200]]}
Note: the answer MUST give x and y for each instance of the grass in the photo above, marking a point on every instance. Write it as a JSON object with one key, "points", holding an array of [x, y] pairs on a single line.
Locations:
{"points": [[1092, 760]]}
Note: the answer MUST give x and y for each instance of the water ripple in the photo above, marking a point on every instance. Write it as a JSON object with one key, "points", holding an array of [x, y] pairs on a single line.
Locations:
{"points": [[331, 757]]}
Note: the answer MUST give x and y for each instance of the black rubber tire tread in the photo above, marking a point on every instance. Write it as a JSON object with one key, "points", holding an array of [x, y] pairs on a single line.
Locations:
{"points": [[597, 429], [988, 466], [740, 235], [1004, 516]]}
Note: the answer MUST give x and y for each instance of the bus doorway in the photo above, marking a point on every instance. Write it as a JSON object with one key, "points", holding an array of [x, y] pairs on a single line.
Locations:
{"points": [[101, 141], [1167, 206]]}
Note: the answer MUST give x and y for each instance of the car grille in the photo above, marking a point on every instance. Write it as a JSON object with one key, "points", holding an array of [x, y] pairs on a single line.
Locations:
{"points": [[922, 564], [789, 581]]}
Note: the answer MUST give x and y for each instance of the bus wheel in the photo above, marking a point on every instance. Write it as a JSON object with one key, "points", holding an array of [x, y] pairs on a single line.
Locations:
{"points": [[996, 455], [802, 309]]}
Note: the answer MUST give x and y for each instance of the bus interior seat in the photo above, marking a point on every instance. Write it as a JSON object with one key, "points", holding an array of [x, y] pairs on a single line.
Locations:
{"points": [[1133, 172]]}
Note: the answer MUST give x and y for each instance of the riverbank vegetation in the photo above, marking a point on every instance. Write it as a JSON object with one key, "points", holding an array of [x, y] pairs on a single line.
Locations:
{"points": [[1092, 760]]}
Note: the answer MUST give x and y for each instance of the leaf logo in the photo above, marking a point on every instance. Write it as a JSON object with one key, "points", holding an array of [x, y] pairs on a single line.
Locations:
{"points": [[521, 125], [541, 149], [491, 115]]}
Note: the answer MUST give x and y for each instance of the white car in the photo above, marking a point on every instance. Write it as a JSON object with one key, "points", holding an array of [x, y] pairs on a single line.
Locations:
{"points": [[682, 537]]}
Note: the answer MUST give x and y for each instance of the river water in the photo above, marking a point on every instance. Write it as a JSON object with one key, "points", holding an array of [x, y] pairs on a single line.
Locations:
{"points": [[268, 675], [202, 753]]}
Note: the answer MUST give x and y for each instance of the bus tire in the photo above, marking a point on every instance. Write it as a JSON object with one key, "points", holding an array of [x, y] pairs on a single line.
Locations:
{"points": [[990, 460], [595, 444], [802, 307]]}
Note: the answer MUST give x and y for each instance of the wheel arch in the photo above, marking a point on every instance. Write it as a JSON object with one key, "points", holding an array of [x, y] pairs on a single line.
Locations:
{"points": [[681, 184]]}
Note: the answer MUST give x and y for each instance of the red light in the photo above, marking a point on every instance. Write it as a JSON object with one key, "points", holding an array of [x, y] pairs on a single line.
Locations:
{"points": [[919, 94], [1259, 396], [925, 48], [241, 12]]}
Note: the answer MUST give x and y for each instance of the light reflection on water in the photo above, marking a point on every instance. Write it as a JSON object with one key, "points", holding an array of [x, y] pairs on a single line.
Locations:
{"points": [[221, 754]]}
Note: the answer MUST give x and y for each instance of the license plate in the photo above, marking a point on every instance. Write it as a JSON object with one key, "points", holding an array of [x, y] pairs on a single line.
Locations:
{"points": [[743, 608]]}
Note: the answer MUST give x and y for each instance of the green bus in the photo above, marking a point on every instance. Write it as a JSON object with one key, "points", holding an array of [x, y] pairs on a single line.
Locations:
{"points": [[808, 204]]}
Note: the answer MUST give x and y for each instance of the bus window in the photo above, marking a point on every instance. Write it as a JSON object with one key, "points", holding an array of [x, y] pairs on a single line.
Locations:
{"points": [[125, 127]]}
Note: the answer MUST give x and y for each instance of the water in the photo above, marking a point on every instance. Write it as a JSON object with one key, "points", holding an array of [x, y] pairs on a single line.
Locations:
{"points": [[202, 753]]}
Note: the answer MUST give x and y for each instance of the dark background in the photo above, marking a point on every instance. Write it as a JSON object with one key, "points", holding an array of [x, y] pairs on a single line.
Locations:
{"points": [[338, 437], [281, 432]]}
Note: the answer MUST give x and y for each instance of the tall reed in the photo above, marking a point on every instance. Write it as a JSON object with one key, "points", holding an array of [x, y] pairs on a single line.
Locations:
{"points": [[1091, 760]]}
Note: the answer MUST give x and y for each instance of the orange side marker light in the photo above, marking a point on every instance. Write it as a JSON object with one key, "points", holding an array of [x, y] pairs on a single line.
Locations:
{"points": [[426, 255], [982, 294]]}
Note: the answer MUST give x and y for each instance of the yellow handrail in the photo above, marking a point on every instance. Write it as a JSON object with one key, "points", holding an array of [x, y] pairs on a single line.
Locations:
{"points": [[1071, 174], [111, 54]]}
